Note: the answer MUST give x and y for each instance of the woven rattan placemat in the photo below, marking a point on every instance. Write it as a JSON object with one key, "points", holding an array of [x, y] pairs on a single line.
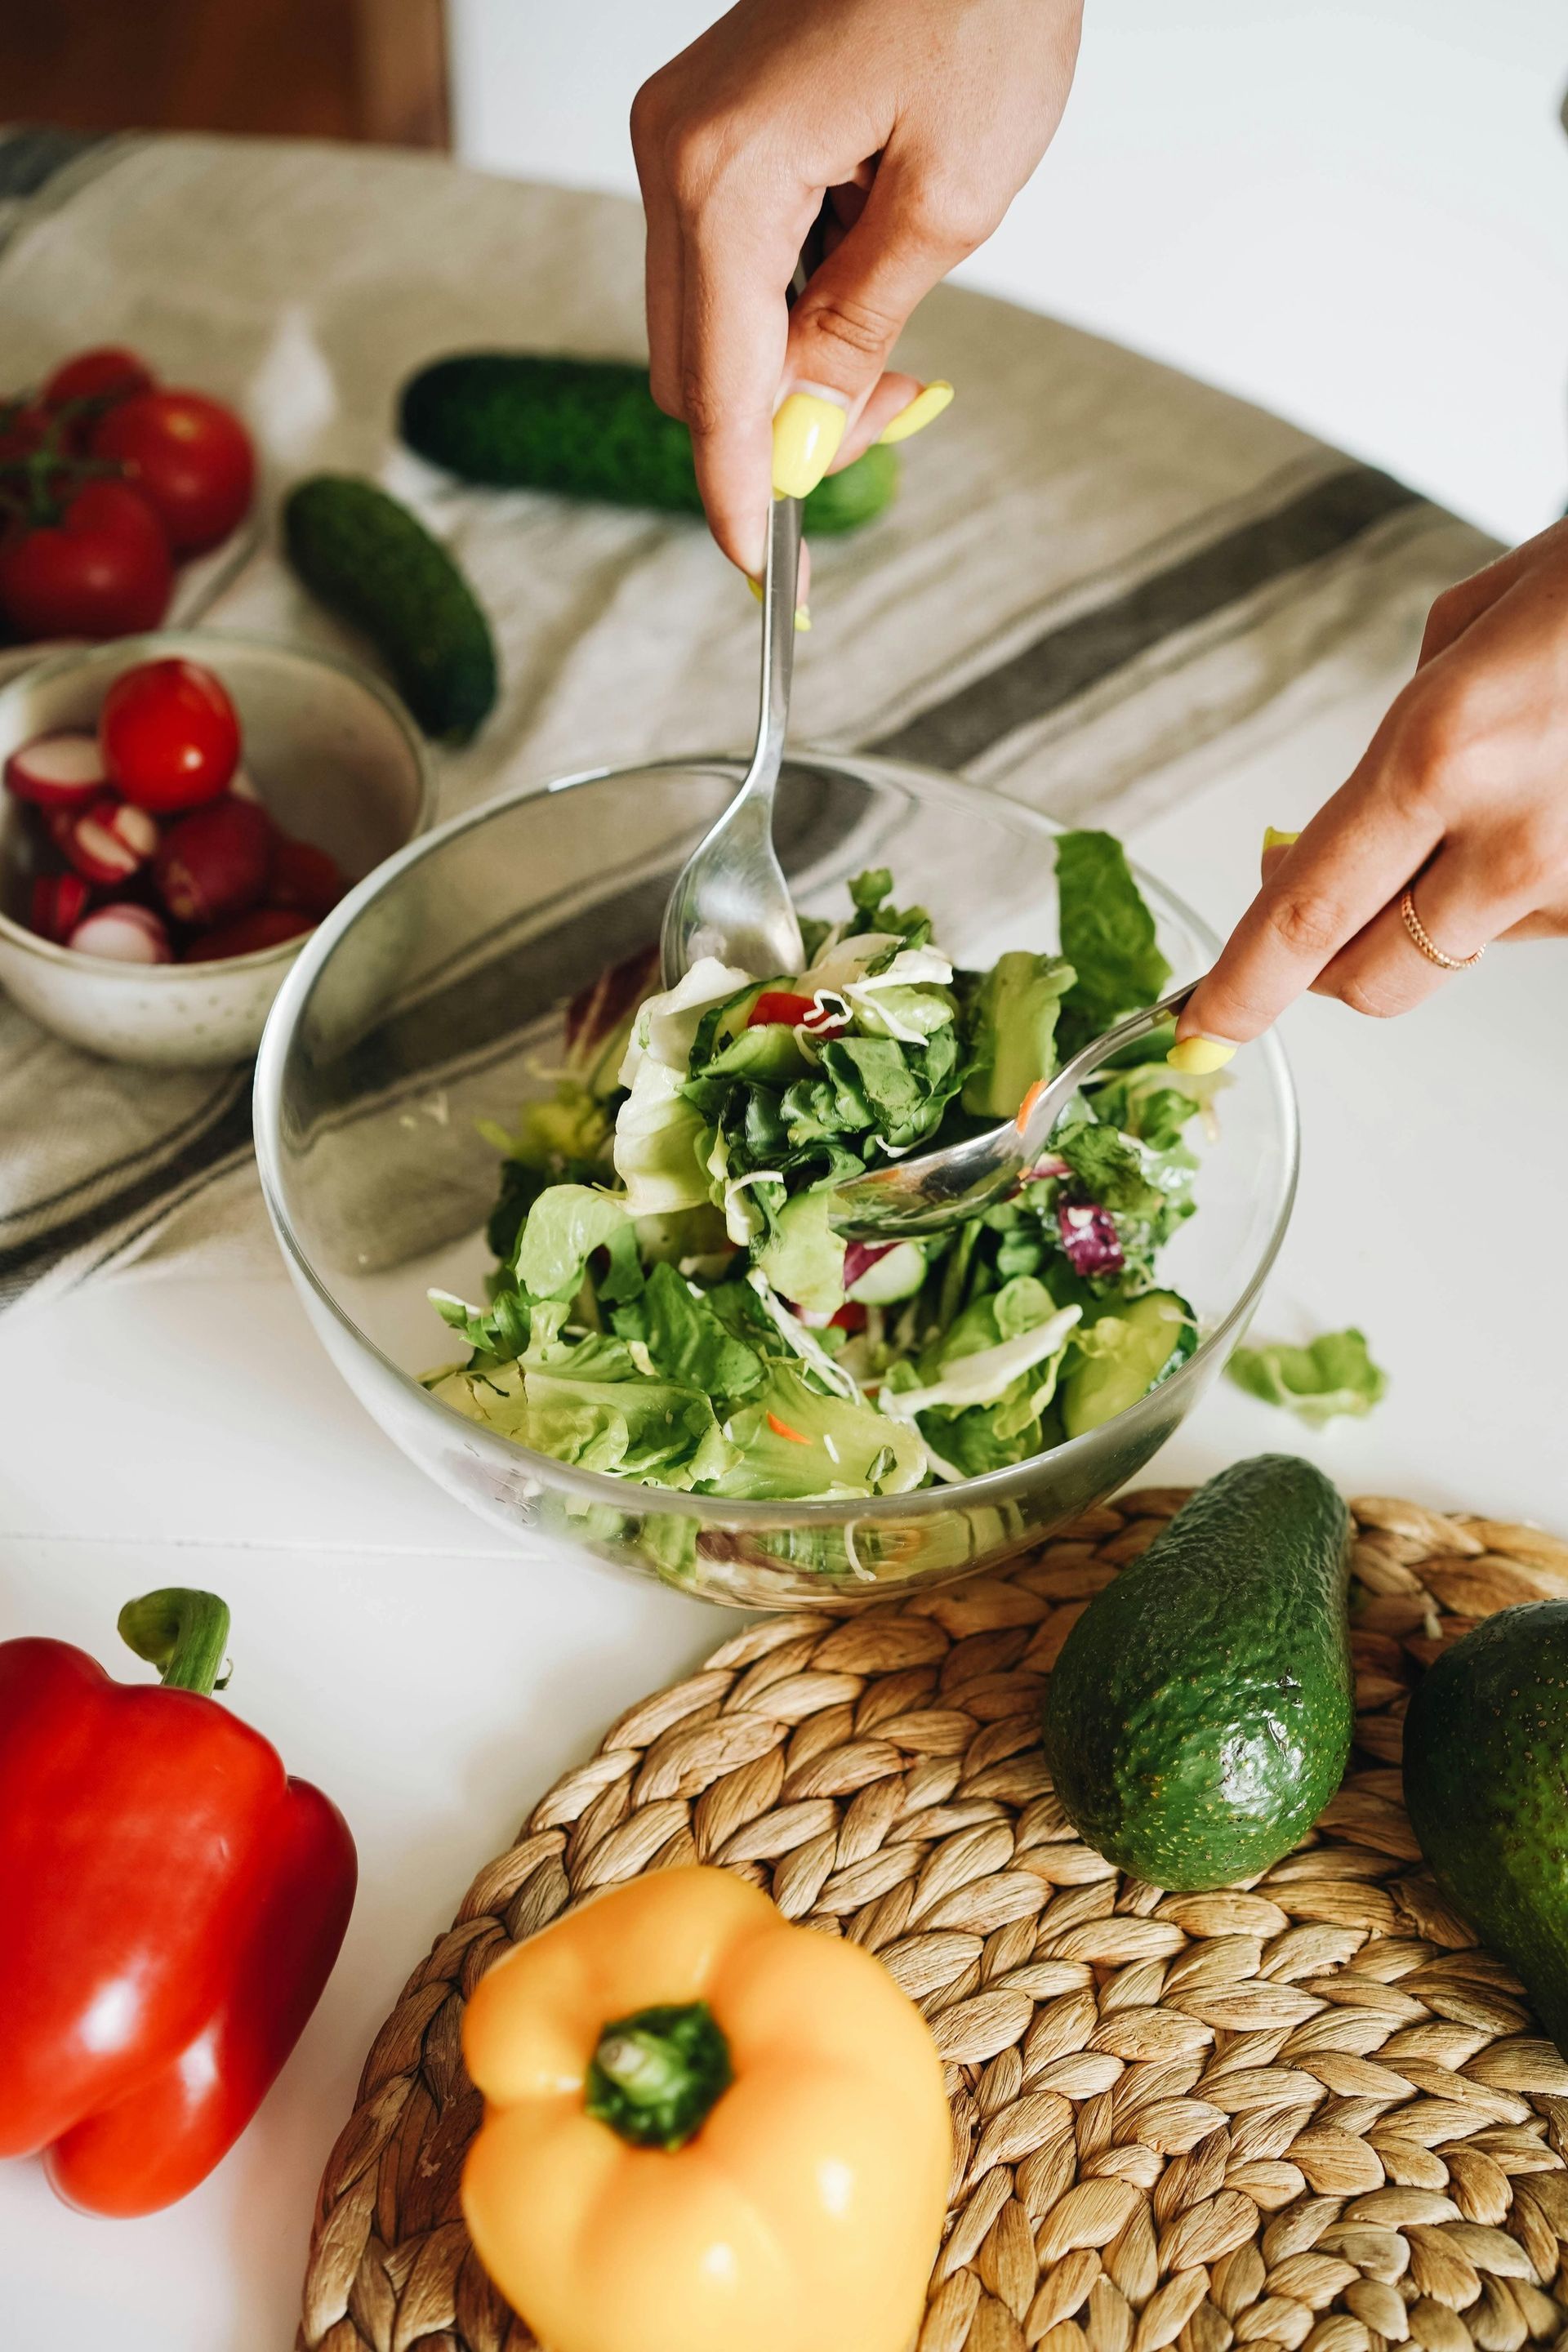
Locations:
{"points": [[1312, 2113]]}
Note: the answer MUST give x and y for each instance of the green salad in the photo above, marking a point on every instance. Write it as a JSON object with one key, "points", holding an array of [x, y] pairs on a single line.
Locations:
{"points": [[671, 1304]]}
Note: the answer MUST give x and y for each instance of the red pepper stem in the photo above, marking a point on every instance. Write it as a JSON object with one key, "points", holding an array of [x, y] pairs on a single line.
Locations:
{"points": [[184, 1634]]}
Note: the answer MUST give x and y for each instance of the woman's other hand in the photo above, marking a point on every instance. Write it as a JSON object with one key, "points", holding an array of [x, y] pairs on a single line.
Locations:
{"points": [[1462, 800]]}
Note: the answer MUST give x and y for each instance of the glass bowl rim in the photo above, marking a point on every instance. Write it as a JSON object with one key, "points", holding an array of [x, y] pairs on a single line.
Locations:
{"points": [[155, 645], [626, 1496]]}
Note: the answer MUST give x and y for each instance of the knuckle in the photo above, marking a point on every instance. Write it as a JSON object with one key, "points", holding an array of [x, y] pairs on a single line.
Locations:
{"points": [[700, 409], [648, 117], [945, 215], [1363, 993], [859, 328], [1306, 923]]}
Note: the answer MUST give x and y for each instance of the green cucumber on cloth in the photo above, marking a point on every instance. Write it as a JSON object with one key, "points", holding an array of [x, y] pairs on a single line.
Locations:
{"points": [[590, 429], [375, 565]]}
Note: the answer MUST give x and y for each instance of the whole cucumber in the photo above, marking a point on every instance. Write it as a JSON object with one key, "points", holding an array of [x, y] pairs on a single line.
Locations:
{"points": [[589, 429], [368, 559], [1199, 1716], [1485, 1755]]}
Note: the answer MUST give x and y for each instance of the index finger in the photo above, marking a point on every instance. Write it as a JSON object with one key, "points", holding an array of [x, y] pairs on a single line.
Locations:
{"points": [[1357, 853], [739, 255]]}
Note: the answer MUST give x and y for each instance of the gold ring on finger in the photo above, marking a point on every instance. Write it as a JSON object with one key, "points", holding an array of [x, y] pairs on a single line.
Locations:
{"points": [[1428, 945]]}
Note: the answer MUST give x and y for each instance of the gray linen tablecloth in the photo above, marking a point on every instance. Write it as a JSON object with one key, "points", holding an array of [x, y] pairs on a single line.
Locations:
{"points": [[1101, 583]]}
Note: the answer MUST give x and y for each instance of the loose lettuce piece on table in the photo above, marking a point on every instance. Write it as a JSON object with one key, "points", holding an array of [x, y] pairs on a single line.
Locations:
{"points": [[1013, 1031], [1332, 1375], [1107, 935]]}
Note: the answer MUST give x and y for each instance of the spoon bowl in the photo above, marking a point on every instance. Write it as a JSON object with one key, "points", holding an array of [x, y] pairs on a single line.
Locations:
{"points": [[937, 1188], [731, 899]]}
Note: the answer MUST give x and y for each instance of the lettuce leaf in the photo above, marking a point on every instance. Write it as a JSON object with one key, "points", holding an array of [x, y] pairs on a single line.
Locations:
{"points": [[1013, 1037], [802, 1257], [565, 1226], [1107, 935], [686, 1341], [1332, 1375], [794, 1443]]}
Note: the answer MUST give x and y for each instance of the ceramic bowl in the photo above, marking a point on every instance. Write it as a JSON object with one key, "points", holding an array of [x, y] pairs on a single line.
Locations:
{"points": [[332, 754]]}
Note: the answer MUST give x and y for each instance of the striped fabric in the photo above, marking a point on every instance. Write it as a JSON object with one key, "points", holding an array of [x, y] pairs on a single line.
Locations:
{"points": [[1100, 581]]}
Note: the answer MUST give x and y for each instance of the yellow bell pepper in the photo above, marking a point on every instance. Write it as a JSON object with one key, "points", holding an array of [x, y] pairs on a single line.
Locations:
{"points": [[705, 2130]]}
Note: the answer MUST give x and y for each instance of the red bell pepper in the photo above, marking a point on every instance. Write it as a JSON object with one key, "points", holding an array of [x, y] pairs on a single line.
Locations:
{"points": [[172, 1907]]}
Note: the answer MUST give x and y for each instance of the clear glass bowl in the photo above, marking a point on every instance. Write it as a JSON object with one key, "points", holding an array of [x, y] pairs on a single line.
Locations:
{"points": [[433, 998]]}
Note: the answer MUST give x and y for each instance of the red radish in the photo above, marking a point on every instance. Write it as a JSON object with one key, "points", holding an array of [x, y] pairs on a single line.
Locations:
{"points": [[169, 735], [107, 842], [58, 904], [60, 771], [306, 878], [123, 935], [263, 927], [214, 863]]}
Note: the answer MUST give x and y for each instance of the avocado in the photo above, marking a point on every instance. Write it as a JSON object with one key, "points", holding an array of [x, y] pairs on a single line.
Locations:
{"points": [[1199, 1716], [590, 429], [371, 562], [1486, 1756]]}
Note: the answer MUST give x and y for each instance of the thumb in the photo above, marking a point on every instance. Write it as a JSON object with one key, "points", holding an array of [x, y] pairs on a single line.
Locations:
{"points": [[849, 315]]}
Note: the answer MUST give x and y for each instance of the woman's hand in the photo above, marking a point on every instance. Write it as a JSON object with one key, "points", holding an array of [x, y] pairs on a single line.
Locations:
{"points": [[1462, 798], [921, 119]]}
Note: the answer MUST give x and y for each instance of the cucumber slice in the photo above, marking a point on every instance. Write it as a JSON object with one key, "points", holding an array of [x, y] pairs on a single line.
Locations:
{"points": [[1158, 1332]]}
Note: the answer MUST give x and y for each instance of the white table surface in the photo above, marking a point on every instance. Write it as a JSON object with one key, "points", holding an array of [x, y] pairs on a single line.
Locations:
{"points": [[435, 1683]]}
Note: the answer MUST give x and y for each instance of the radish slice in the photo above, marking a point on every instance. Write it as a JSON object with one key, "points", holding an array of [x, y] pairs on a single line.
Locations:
{"points": [[58, 904], [123, 935], [108, 840], [64, 771]]}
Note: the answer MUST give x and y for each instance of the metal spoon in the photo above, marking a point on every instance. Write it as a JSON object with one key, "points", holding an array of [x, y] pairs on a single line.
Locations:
{"points": [[937, 1188], [730, 898]]}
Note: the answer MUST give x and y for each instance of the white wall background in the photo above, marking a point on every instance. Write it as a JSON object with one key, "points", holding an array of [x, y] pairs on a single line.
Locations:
{"points": [[1354, 214]]}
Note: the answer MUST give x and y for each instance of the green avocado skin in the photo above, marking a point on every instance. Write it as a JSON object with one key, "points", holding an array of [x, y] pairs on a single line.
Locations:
{"points": [[1485, 1787], [589, 429], [1199, 1716], [371, 562]]}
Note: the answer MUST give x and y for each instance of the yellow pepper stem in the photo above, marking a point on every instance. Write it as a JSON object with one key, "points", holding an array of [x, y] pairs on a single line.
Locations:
{"points": [[657, 2075]]}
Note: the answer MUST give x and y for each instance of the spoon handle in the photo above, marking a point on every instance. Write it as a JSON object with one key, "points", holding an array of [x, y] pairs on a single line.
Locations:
{"points": [[781, 594]]}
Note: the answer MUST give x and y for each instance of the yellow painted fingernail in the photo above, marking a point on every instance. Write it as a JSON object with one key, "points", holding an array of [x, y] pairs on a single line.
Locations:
{"points": [[923, 410], [1274, 839], [802, 612], [1199, 1057], [806, 434]]}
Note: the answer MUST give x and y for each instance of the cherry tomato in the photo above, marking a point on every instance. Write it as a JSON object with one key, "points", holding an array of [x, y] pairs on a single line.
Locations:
{"points": [[107, 372], [103, 571], [191, 455], [169, 735]]}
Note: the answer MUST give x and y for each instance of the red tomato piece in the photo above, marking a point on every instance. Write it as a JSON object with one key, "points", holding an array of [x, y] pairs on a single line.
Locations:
{"points": [[103, 571], [851, 1317], [169, 735], [106, 372], [779, 1005], [191, 456]]}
